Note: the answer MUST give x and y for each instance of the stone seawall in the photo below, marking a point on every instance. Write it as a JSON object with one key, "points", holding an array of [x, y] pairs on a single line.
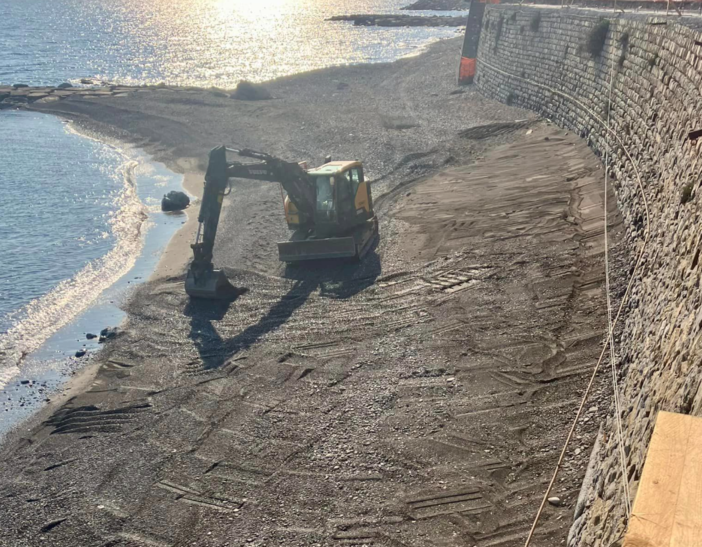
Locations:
{"points": [[558, 63]]}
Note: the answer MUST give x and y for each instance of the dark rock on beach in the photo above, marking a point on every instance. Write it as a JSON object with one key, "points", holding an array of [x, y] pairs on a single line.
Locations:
{"points": [[64, 85], [17, 86], [108, 333], [175, 201], [81, 353], [247, 91], [91, 336]]}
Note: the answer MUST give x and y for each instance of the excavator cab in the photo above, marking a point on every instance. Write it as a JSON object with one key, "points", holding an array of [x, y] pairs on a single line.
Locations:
{"points": [[344, 223]]}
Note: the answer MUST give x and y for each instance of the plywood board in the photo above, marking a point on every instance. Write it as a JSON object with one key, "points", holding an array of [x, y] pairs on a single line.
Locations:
{"points": [[667, 511]]}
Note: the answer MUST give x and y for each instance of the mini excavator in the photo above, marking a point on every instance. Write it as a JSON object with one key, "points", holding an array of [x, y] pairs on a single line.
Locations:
{"points": [[329, 209]]}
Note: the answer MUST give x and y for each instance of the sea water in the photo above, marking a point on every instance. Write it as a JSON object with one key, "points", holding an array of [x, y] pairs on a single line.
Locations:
{"points": [[80, 222], [193, 42], [79, 219]]}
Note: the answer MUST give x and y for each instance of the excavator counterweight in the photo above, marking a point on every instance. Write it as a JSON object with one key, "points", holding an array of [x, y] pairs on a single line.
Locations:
{"points": [[329, 209]]}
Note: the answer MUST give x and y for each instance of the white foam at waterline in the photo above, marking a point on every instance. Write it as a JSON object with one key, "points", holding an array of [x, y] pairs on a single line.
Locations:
{"points": [[42, 317]]}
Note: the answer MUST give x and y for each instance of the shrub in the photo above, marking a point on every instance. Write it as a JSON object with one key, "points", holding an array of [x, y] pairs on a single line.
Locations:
{"points": [[624, 42], [652, 60], [597, 37], [535, 22], [498, 30]]}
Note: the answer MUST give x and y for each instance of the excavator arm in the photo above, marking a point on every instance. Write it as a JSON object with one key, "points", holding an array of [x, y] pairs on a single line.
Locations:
{"points": [[293, 178], [203, 281]]}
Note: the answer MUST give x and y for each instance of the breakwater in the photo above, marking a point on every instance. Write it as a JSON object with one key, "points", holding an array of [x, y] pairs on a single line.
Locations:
{"points": [[565, 64]]}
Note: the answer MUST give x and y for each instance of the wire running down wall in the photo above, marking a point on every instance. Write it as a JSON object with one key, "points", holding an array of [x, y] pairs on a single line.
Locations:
{"points": [[557, 63]]}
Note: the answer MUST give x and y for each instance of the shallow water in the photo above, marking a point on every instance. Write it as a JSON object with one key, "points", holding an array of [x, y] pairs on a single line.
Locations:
{"points": [[79, 221], [198, 42]]}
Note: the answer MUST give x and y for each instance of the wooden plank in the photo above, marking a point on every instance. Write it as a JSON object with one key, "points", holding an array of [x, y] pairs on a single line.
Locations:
{"points": [[688, 517], [667, 511]]}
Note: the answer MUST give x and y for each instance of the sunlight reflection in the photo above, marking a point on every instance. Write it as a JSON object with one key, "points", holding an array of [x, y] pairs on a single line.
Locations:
{"points": [[209, 42]]}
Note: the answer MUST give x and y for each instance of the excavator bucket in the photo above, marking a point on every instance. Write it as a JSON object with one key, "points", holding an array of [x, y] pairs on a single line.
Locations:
{"points": [[212, 285]]}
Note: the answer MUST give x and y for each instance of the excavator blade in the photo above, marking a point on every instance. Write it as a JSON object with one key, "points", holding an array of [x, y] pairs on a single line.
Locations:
{"points": [[317, 249], [212, 285]]}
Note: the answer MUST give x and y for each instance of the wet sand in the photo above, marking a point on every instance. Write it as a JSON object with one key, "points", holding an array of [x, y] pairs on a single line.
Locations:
{"points": [[416, 398]]}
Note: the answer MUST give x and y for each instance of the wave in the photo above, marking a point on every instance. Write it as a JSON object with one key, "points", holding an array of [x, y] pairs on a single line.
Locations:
{"points": [[40, 319]]}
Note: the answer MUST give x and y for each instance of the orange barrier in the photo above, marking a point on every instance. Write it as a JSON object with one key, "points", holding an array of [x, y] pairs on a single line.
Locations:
{"points": [[469, 56]]}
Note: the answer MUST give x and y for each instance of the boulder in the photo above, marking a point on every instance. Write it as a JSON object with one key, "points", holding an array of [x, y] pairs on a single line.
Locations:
{"points": [[91, 336], [108, 333], [247, 91], [81, 353], [17, 86], [175, 201], [64, 85]]}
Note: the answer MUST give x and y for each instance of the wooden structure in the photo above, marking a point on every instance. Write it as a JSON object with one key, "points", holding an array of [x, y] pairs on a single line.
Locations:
{"points": [[667, 511]]}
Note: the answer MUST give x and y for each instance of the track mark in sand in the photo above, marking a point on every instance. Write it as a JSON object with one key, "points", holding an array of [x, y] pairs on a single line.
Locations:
{"points": [[457, 280], [195, 497], [395, 279], [246, 475], [324, 350], [91, 419], [52, 524], [324, 475], [60, 464], [197, 367], [445, 502], [114, 364], [453, 325], [141, 539], [356, 537]]}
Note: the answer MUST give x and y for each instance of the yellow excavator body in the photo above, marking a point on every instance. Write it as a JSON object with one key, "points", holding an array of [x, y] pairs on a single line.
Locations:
{"points": [[351, 226]]}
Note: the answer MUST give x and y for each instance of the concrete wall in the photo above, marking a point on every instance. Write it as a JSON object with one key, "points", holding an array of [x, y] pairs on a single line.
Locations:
{"points": [[542, 59]]}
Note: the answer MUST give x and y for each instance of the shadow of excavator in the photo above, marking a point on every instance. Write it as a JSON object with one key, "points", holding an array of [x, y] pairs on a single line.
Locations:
{"points": [[333, 279]]}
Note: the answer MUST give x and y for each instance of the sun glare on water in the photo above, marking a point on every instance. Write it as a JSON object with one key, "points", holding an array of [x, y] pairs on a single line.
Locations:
{"points": [[196, 42]]}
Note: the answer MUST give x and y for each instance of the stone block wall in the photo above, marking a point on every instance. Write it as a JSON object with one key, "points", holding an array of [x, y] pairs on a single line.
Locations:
{"points": [[559, 63]]}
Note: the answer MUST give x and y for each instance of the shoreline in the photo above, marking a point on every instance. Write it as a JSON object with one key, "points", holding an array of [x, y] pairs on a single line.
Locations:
{"points": [[47, 372]]}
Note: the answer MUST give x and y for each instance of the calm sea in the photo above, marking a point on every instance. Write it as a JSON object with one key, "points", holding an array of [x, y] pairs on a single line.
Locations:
{"points": [[76, 215], [198, 42]]}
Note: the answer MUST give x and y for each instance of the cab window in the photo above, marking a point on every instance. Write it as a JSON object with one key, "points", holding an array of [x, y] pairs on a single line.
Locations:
{"points": [[325, 193], [356, 176]]}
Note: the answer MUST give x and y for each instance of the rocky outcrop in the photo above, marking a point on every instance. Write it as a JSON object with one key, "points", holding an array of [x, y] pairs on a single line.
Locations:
{"points": [[380, 20], [559, 64], [439, 5], [20, 95]]}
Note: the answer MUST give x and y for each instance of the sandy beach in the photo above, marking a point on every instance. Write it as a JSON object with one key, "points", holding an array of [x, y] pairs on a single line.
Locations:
{"points": [[415, 398]]}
